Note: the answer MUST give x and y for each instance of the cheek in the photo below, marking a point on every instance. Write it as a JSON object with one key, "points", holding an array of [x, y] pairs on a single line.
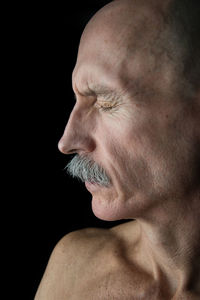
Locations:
{"points": [[121, 142], [127, 164], [129, 143], [136, 149]]}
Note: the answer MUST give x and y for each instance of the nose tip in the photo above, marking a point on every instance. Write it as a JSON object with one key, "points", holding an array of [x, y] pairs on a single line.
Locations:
{"points": [[61, 146]]}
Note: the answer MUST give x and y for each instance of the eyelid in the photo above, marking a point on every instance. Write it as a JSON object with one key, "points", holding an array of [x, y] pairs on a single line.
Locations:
{"points": [[108, 107], [106, 103], [109, 98]]}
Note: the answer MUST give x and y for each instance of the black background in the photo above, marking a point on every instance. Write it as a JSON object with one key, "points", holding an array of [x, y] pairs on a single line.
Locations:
{"points": [[53, 203]]}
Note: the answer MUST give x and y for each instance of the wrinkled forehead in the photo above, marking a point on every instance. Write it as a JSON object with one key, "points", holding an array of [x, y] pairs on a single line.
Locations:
{"points": [[114, 39]]}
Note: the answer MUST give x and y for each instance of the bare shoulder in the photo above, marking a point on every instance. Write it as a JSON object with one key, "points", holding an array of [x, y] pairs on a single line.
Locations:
{"points": [[70, 255], [84, 236], [81, 244], [126, 232], [89, 239], [90, 259]]}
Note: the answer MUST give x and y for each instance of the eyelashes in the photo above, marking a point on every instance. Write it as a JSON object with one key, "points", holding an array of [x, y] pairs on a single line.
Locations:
{"points": [[105, 106]]}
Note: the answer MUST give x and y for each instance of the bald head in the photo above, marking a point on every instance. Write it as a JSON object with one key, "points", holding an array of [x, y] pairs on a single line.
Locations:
{"points": [[153, 30], [125, 22], [122, 29]]}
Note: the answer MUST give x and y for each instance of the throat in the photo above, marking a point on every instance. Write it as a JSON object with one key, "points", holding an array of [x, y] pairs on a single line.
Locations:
{"points": [[174, 253]]}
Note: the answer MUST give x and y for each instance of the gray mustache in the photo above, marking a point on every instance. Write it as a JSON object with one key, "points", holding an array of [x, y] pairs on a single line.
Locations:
{"points": [[85, 169]]}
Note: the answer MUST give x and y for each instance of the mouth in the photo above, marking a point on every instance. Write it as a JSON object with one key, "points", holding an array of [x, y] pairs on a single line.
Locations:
{"points": [[92, 186]]}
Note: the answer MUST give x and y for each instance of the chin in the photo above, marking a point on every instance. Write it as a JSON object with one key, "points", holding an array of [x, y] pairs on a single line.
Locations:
{"points": [[110, 206], [109, 210]]}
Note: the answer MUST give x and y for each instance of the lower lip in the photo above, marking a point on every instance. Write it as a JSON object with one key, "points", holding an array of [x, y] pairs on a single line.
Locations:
{"points": [[91, 186]]}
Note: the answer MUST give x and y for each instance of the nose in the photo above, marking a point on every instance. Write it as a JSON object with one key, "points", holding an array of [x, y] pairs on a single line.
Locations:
{"points": [[77, 136]]}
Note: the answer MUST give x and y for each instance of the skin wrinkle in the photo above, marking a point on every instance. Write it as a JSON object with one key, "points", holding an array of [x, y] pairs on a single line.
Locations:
{"points": [[148, 146], [103, 95]]}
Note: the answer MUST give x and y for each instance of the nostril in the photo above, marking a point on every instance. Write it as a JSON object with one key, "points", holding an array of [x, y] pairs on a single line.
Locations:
{"points": [[63, 148], [72, 151]]}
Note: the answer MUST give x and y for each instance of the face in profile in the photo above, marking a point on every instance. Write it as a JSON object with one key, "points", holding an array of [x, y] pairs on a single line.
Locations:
{"points": [[134, 135]]}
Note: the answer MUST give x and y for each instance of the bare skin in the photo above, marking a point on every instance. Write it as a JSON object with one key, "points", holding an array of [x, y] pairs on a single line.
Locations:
{"points": [[149, 143]]}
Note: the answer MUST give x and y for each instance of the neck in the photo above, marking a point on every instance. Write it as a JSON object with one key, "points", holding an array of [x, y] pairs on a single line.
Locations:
{"points": [[172, 239]]}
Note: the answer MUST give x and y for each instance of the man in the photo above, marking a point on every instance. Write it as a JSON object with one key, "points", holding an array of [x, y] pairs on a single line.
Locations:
{"points": [[135, 130]]}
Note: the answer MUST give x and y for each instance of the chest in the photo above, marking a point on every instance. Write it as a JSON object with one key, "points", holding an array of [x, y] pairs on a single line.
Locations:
{"points": [[122, 287], [116, 285], [112, 277]]}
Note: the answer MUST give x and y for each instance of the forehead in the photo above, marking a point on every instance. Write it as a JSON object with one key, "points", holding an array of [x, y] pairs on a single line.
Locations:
{"points": [[95, 77], [111, 87], [105, 46], [101, 69], [114, 52]]}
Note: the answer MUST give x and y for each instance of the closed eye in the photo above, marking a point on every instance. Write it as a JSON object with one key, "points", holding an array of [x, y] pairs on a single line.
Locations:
{"points": [[107, 106], [104, 105]]}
